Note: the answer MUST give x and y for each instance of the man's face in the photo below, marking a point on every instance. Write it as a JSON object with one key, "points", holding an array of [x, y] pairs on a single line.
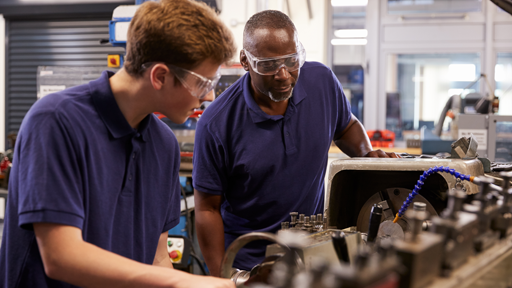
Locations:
{"points": [[178, 103], [268, 43]]}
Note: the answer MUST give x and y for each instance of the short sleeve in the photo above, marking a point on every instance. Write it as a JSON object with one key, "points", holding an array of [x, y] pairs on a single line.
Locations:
{"points": [[344, 113], [50, 185], [174, 209], [208, 162]]}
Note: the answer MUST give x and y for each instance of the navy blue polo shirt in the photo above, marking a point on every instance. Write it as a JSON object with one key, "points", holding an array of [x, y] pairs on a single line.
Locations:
{"points": [[268, 166], [78, 162]]}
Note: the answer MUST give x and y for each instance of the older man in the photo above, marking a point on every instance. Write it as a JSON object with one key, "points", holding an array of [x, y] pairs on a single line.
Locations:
{"points": [[262, 147]]}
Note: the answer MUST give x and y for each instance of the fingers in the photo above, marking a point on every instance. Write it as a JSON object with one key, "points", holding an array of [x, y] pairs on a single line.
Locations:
{"points": [[393, 155], [381, 154]]}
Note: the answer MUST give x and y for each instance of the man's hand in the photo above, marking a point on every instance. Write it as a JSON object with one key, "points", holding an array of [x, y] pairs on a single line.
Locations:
{"points": [[381, 154]]}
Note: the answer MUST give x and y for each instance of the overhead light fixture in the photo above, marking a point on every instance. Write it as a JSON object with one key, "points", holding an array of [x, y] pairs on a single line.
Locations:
{"points": [[349, 41], [346, 3], [351, 33]]}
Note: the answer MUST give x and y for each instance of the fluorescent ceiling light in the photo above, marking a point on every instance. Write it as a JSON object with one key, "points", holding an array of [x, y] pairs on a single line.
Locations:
{"points": [[462, 72], [351, 33], [345, 3], [349, 41]]}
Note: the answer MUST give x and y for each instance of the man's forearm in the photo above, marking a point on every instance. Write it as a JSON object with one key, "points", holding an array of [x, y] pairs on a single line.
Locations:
{"points": [[354, 141], [210, 234], [161, 256], [66, 257]]}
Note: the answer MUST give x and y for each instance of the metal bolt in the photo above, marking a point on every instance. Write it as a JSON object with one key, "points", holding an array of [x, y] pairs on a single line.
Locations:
{"points": [[294, 217], [417, 218], [420, 206]]}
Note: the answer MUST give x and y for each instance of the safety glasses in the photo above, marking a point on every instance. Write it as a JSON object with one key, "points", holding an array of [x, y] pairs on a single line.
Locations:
{"points": [[198, 85], [272, 65]]}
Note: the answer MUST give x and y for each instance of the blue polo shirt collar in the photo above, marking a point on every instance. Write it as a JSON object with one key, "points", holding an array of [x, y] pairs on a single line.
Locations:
{"points": [[255, 111], [108, 110]]}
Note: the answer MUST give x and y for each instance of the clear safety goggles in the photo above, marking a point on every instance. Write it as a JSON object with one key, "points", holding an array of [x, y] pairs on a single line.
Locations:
{"points": [[198, 85], [272, 65]]}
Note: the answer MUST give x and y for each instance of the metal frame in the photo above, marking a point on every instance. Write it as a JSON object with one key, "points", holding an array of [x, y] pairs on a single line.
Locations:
{"points": [[473, 167], [484, 122], [491, 133]]}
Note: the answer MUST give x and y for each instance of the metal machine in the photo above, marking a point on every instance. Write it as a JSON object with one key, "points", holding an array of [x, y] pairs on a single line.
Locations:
{"points": [[493, 133], [356, 184], [459, 225], [467, 242]]}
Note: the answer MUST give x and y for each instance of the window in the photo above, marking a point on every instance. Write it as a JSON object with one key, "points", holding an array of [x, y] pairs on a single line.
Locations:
{"points": [[419, 85], [348, 42], [503, 77]]}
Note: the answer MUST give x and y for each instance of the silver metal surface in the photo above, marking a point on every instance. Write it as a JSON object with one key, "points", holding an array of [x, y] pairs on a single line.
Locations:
{"points": [[229, 256], [472, 167], [239, 276], [485, 126], [319, 244], [395, 201], [489, 269], [391, 230], [422, 258], [473, 146]]}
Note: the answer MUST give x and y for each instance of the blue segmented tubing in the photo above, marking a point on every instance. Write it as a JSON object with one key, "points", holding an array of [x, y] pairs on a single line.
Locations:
{"points": [[420, 183]]}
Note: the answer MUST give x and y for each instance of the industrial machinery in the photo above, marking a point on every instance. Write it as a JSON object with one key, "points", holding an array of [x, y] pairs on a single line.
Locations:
{"points": [[356, 184], [459, 225], [493, 133], [467, 243]]}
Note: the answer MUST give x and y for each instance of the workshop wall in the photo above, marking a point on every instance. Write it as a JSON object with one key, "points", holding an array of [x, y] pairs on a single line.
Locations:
{"points": [[2, 82], [310, 23]]}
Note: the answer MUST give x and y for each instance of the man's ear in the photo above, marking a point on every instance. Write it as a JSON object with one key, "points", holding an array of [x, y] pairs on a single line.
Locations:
{"points": [[243, 60], [157, 76]]}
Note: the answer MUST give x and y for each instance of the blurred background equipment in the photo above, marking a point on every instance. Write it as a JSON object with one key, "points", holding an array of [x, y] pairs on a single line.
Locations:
{"points": [[381, 138]]}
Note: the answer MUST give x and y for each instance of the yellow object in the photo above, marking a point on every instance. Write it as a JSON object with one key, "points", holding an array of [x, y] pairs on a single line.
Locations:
{"points": [[396, 218], [114, 61], [178, 258]]}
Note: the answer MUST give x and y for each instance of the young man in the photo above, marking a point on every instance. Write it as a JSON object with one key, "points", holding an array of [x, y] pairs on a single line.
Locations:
{"points": [[94, 185], [261, 148]]}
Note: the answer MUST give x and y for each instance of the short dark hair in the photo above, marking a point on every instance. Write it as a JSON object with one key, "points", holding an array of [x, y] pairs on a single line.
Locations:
{"points": [[179, 32], [272, 19]]}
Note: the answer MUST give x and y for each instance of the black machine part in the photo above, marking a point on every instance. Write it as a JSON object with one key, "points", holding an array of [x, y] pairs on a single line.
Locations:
{"points": [[375, 219], [390, 200], [340, 246], [504, 4]]}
